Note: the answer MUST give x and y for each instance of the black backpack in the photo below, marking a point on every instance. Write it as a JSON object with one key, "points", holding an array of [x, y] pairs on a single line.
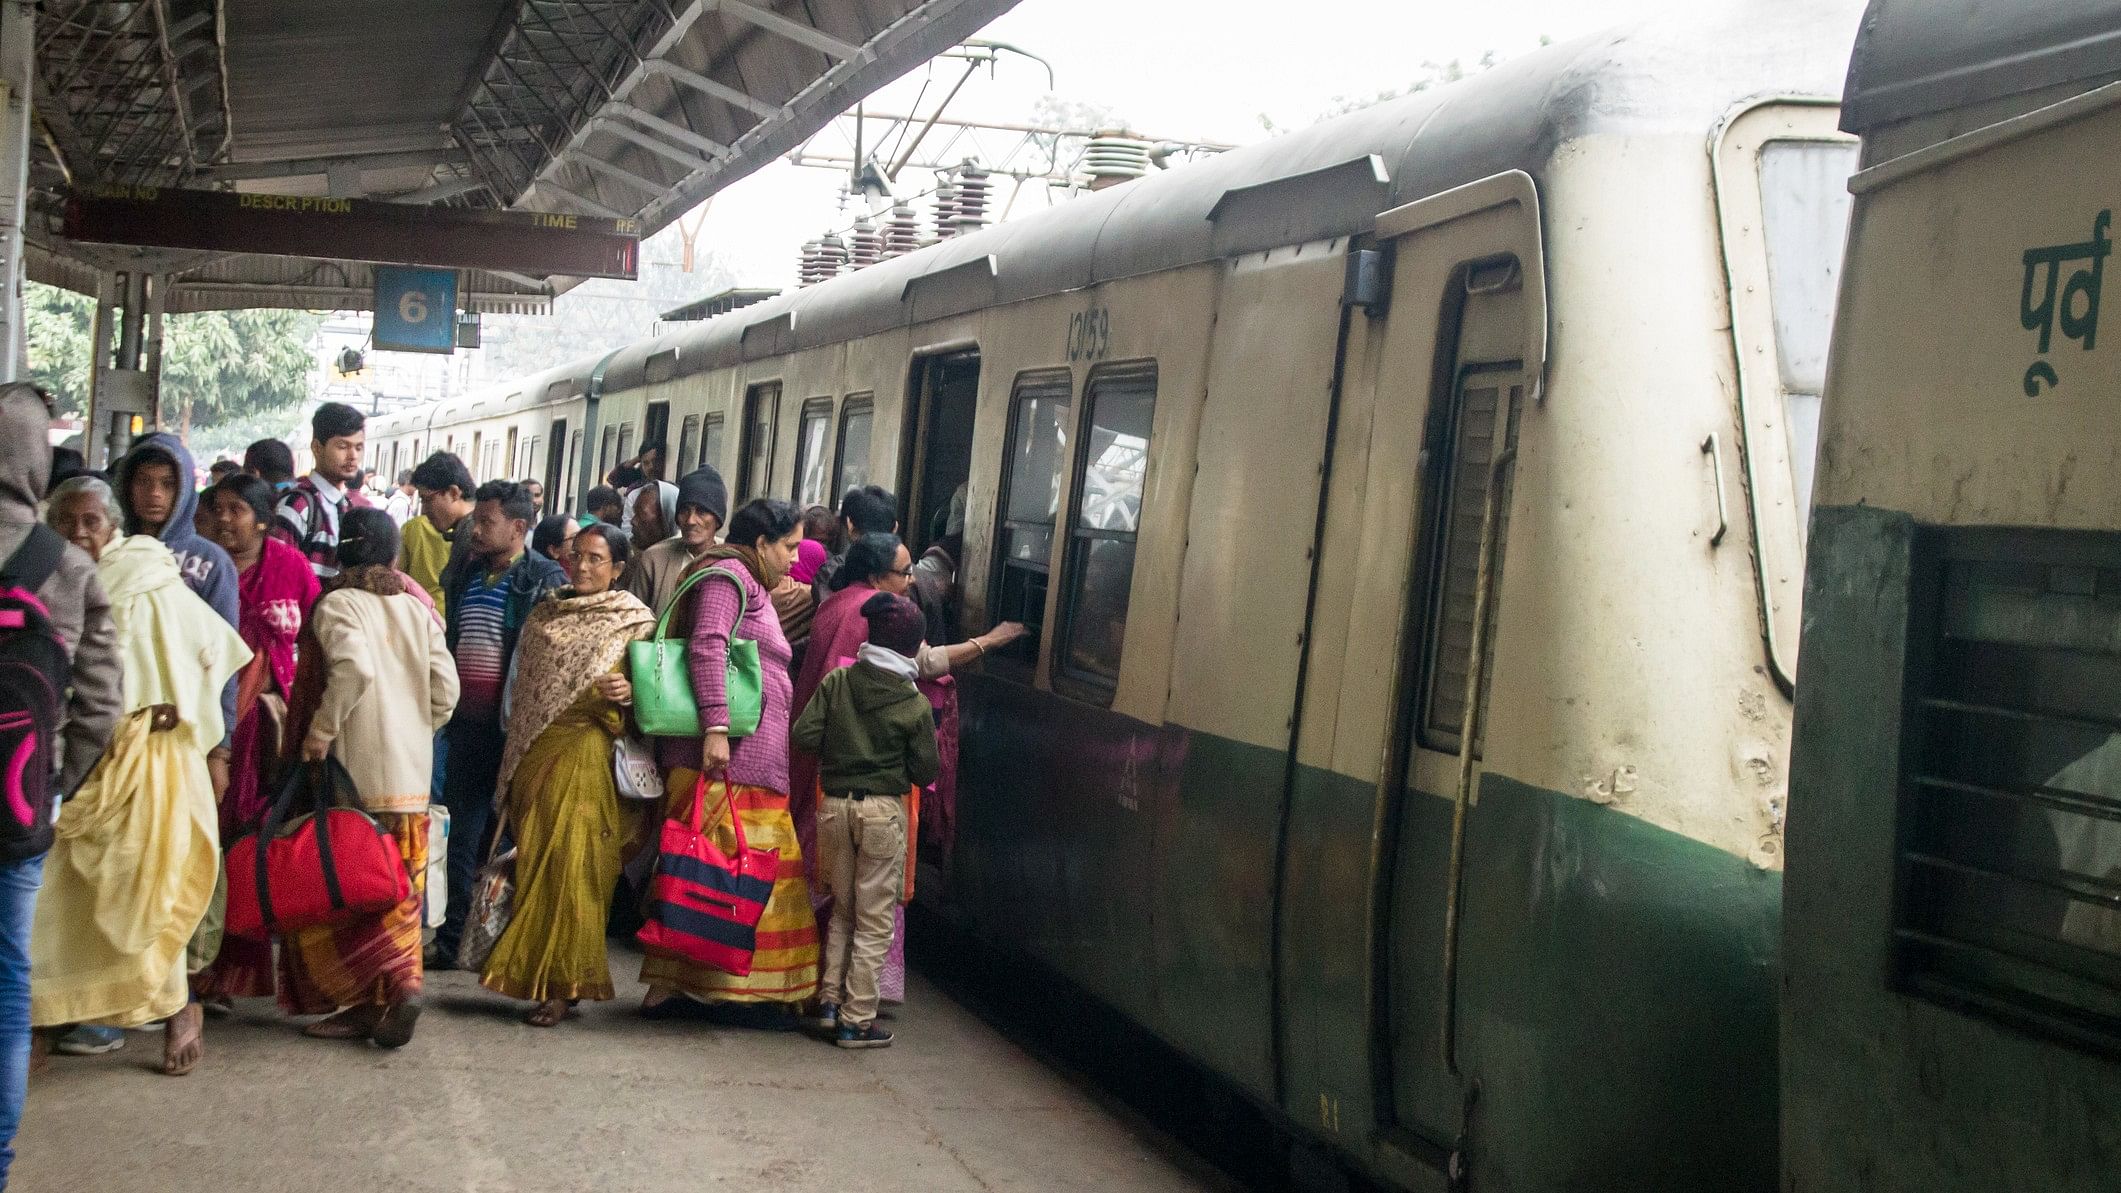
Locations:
{"points": [[34, 673]]}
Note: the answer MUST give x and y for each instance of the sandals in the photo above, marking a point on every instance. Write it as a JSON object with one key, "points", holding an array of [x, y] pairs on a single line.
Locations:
{"points": [[546, 1014], [394, 1029], [353, 1023]]}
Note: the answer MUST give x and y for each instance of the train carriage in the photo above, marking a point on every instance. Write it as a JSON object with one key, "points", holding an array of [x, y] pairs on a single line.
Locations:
{"points": [[1953, 928], [1409, 512]]}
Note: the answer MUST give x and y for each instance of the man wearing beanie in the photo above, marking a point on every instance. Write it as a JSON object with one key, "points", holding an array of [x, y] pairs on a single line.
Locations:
{"points": [[703, 508], [875, 742]]}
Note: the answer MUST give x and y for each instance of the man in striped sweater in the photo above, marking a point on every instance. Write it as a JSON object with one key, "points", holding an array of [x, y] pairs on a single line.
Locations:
{"points": [[488, 598]]}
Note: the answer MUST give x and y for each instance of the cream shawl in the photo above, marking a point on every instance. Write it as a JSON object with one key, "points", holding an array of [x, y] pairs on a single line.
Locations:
{"points": [[566, 643], [175, 648]]}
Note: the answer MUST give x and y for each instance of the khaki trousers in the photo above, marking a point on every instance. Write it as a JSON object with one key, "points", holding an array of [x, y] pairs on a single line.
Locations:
{"points": [[861, 845]]}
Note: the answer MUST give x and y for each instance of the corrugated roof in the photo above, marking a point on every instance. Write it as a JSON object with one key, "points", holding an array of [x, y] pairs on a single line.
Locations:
{"points": [[615, 108]]}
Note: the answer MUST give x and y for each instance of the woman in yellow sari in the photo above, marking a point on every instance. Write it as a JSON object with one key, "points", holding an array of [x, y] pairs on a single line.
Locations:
{"points": [[133, 870], [567, 701]]}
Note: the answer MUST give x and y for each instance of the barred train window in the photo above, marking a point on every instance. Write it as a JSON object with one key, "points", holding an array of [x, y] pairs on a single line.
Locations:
{"points": [[1112, 466], [762, 405], [1454, 568], [2009, 844], [850, 461], [1030, 504], [811, 437], [711, 442], [688, 443]]}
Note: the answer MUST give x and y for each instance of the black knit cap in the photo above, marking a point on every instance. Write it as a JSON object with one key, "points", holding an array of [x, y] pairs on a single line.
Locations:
{"points": [[702, 488], [895, 623]]}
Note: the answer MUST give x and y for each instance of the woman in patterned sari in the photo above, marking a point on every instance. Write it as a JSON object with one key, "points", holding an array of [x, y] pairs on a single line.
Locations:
{"points": [[735, 601], [374, 682], [567, 701], [276, 588]]}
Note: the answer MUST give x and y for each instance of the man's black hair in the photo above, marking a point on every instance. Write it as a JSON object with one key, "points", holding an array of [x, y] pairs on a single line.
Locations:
{"points": [[441, 470], [272, 460], [514, 498], [871, 508], [334, 419], [603, 497]]}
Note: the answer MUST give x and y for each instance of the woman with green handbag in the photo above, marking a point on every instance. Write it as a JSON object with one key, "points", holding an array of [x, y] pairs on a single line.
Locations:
{"points": [[734, 648]]}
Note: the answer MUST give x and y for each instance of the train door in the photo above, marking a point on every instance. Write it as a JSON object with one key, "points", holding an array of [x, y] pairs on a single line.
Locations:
{"points": [[1441, 365], [935, 460]]}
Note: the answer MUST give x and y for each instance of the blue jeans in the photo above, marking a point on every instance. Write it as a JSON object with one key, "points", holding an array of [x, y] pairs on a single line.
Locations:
{"points": [[18, 907], [467, 791]]}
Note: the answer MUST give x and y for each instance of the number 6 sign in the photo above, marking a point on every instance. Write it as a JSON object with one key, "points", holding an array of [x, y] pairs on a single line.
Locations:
{"points": [[416, 309]]}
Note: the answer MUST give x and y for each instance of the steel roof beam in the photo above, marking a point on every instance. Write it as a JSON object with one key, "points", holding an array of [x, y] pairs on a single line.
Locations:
{"points": [[297, 167], [711, 89], [795, 31], [579, 199], [677, 132], [619, 128], [621, 173]]}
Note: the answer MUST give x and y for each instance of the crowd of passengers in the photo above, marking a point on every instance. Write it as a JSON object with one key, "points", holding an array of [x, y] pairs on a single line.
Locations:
{"points": [[462, 660]]}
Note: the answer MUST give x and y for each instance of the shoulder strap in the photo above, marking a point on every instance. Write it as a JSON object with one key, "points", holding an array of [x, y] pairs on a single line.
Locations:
{"points": [[35, 560], [743, 604]]}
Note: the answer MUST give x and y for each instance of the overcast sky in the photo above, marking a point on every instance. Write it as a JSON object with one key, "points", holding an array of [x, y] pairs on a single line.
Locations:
{"points": [[1185, 69]]}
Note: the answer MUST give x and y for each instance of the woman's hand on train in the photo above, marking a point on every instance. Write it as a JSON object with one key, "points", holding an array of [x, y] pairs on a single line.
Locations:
{"points": [[716, 752], [1003, 634], [615, 688]]}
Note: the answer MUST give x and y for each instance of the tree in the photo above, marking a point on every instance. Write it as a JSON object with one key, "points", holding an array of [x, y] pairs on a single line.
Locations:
{"points": [[218, 367]]}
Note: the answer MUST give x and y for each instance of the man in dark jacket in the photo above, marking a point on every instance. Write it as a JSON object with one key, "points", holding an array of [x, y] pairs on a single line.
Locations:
{"points": [[488, 600], [94, 700], [875, 742]]}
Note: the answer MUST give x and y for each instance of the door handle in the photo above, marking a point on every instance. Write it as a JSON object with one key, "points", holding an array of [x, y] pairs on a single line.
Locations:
{"points": [[1712, 447]]}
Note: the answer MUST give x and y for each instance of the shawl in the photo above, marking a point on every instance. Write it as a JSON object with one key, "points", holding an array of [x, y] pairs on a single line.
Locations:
{"points": [[793, 602], [175, 649], [130, 875], [276, 595], [566, 643], [809, 557], [687, 610]]}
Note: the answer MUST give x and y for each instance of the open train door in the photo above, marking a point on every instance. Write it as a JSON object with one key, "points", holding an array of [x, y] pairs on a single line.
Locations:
{"points": [[1443, 364]]}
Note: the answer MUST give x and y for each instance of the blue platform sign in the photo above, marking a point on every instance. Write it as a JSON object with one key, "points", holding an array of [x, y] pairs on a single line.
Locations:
{"points": [[416, 309]]}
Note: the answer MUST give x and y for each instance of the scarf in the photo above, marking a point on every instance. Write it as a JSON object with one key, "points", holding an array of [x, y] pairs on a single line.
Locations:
{"points": [[795, 605], [276, 594], [566, 643], [888, 661], [174, 648]]}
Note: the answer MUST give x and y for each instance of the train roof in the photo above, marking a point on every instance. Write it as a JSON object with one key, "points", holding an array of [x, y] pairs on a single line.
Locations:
{"points": [[1916, 57], [1680, 70]]}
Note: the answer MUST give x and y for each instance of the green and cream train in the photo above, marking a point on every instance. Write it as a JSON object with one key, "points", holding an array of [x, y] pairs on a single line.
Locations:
{"points": [[1952, 1017], [1411, 513]]}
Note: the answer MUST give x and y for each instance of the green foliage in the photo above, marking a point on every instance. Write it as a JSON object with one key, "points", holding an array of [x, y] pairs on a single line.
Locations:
{"points": [[218, 367]]}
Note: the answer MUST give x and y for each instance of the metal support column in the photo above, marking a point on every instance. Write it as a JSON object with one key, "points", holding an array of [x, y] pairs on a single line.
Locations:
{"points": [[17, 65]]}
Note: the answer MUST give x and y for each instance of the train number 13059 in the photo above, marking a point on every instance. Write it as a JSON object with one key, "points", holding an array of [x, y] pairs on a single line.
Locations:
{"points": [[1090, 334]]}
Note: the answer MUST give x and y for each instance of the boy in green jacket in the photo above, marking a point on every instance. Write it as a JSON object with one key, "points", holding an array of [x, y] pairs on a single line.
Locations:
{"points": [[875, 741]]}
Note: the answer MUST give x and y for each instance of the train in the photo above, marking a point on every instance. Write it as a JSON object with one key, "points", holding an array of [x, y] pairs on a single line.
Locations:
{"points": [[1410, 517], [1952, 909]]}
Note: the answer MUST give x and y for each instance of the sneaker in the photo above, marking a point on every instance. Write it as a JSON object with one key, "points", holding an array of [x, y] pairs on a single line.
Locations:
{"points": [[84, 1040], [870, 1036], [826, 1018]]}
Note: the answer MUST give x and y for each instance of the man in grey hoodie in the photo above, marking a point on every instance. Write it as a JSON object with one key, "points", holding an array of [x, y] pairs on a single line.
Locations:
{"points": [[81, 614], [156, 490]]}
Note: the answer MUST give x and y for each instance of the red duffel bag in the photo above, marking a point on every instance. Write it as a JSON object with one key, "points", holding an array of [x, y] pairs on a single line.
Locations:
{"points": [[324, 867]]}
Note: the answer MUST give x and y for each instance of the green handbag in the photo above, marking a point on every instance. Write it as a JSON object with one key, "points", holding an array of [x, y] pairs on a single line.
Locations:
{"points": [[662, 686]]}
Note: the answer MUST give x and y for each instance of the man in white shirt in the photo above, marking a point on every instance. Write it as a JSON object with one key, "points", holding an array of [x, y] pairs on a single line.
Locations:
{"points": [[404, 500]]}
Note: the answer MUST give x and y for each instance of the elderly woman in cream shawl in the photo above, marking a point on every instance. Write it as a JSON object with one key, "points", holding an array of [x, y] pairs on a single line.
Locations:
{"points": [[138, 850]]}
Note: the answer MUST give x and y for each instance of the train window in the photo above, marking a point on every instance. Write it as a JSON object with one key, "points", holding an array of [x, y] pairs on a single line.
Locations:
{"points": [[573, 467], [605, 448], [711, 442], [478, 459], [558, 499], [811, 437], [511, 463], [762, 405], [688, 443], [850, 458], [1030, 505], [1804, 202], [2008, 848], [625, 441], [655, 433], [1112, 466], [1455, 528]]}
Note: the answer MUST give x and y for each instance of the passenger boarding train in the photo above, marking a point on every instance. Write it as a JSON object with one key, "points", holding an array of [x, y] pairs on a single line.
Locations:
{"points": [[1411, 514]]}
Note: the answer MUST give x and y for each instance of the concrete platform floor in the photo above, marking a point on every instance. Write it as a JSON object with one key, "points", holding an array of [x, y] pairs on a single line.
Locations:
{"points": [[479, 1103]]}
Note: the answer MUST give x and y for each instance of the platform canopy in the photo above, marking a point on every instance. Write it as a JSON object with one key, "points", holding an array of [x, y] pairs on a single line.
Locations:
{"points": [[631, 110]]}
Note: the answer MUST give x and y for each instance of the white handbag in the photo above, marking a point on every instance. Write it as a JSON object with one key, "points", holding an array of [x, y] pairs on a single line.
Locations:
{"points": [[633, 769], [437, 865]]}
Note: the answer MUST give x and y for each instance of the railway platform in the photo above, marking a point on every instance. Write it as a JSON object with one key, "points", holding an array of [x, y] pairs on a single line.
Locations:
{"points": [[480, 1103]]}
